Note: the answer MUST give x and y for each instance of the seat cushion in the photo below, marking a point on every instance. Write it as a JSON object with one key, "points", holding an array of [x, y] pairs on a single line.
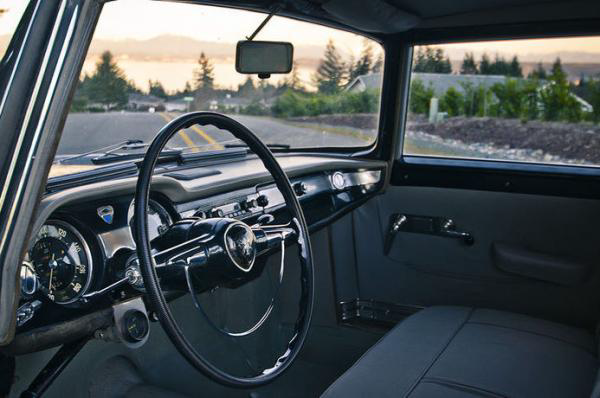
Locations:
{"points": [[465, 352]]}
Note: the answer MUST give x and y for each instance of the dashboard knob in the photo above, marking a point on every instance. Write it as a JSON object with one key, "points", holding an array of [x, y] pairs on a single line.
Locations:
{"points": [[249, 204], [262, 201], [300, 188], [217, 213], [200, 214]]}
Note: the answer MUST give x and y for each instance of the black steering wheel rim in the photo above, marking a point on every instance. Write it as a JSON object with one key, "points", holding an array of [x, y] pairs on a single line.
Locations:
{"points": [[151, 281]]}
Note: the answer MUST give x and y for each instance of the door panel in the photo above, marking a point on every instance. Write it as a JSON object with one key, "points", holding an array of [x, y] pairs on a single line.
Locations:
{"points": [[531, 254]]}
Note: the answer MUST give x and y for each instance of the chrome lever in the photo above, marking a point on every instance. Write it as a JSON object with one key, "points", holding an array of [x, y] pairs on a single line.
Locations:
{"points": [[448, 229], [396, 223]]}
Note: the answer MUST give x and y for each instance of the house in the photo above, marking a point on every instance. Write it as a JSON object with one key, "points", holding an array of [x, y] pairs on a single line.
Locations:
{"points": [[145, 102], [372, 81], [177, 105]]}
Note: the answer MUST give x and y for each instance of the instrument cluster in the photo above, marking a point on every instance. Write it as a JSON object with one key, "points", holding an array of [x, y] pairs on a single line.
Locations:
{"points": [[65, 260]]}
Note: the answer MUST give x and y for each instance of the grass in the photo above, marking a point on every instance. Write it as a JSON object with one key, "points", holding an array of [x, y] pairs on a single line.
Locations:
{"points": [[347, 132]]}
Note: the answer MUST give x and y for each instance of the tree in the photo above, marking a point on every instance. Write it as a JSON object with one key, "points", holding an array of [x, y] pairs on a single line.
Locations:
{"points": [[365, 63], [107, 85], [485, 66], [500, 66], [431, 60], [510, 99], [203, 81], [557, 101], [330, 75], [156, 88], [204, 74], [514, 68], [531, 99], [538, 73], [477, 99], [469, 66], [593, 87], [247, 89], [452, 102], [420, 97], [378, 65], [293, 80]]}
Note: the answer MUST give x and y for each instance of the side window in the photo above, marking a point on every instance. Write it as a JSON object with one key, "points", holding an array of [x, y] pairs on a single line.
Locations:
{"points": [[11, 12], [521, 100]]}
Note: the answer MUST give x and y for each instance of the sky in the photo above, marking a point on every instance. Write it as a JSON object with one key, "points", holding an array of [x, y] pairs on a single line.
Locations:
{"points": [[145, 19]]}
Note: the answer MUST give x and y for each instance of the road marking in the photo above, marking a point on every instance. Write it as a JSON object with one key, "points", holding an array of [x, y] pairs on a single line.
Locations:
{"points": [[188, 141], [207, 137]]}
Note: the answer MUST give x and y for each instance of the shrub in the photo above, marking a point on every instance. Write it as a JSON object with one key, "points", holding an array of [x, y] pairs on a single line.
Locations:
{"points": [[254, 108], [291, 104], [420, 97], [477, 99], [510, 99], [452, 102]]}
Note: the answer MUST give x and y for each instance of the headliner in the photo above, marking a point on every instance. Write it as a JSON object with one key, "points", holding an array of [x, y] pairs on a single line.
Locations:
{"points": [[382, 17]]}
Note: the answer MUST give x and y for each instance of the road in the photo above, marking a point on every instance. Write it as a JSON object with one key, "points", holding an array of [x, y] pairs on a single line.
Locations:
{"points": [[85, 132]]}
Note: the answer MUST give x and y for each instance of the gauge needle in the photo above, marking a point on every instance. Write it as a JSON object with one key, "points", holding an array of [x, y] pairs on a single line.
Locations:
{"points": [[51, 271]]}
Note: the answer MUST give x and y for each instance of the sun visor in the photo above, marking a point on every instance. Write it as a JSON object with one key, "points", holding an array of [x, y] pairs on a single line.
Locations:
{"points": [[378, 17]]}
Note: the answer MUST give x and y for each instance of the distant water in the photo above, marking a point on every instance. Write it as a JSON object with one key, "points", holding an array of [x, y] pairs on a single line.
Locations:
{"points": [[174, 74]]}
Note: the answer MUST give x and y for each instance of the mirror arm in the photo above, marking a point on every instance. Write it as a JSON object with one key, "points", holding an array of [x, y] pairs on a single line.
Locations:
{"points": [[274, 11]]}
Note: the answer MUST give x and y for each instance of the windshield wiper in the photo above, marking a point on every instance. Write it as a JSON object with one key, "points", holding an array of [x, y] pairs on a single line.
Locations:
{"points": [[270, 146], [107, 150], [110, 153]]}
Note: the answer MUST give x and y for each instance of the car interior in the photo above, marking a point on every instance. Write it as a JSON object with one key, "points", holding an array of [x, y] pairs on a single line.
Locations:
{"points": [[421, 224]]}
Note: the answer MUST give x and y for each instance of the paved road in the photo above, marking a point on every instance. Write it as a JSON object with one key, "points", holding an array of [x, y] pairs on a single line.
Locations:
{"points": [[88, 131]]}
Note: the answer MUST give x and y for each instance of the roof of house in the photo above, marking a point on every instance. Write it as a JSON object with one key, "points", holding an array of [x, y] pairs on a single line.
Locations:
{"points": [[371, 81], [136, 97], [440, 82]]}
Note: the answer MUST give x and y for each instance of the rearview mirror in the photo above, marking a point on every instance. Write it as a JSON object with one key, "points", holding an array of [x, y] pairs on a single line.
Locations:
{"points": [[263, 57]]}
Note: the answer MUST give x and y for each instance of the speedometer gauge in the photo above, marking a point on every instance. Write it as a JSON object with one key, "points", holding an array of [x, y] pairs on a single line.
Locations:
{"points": [[62, 262]]}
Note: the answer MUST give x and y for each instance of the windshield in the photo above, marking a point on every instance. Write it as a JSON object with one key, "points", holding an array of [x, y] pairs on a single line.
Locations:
{"points": [[142, 72]]}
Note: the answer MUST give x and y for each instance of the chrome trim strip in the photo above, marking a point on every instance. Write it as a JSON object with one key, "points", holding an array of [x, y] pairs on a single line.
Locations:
{"points": [[12, 75], [3, 104], [46, 105]]}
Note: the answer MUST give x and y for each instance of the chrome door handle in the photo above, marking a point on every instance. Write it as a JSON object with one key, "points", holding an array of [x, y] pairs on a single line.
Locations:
{"points": [[448, 229]]}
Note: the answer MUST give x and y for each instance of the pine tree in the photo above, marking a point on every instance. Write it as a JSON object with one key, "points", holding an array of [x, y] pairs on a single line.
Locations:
{"points": [[515, 68], [538, 73], [156, 88], [247, 89], [485, 66], [378, 65], [431, 60], [293, 80], [203, 82], [364, 64], [556, 98], [107, 85], [204, 75], [330, 75], [469, 66]]}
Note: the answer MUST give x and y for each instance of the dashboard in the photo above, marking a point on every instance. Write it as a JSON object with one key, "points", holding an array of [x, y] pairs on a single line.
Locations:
{"points": [[84, 248]]}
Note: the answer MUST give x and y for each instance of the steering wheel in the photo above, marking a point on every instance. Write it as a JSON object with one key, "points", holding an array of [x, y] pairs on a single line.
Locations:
{"points": [[222, 250]]}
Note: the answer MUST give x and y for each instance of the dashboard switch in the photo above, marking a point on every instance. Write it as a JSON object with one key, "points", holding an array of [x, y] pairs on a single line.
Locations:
{"points": [[262, 201], [249, 204], [217, 213], [300, 188]]}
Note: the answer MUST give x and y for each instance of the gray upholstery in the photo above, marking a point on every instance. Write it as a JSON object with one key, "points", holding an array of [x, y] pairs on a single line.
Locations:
{"points": [[464, 352]]}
